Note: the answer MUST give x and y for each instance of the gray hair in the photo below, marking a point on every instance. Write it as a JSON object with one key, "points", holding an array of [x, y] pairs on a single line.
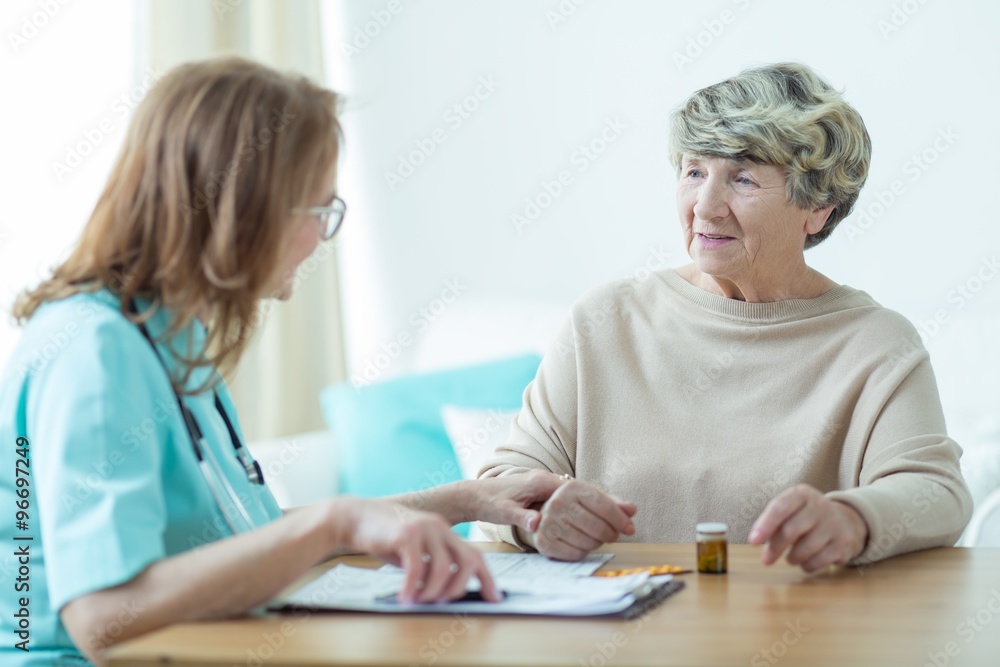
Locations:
{"points": [[783, 115]]}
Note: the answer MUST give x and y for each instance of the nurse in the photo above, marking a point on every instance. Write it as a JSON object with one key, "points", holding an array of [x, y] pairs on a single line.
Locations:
{"points": [[129, 500]]}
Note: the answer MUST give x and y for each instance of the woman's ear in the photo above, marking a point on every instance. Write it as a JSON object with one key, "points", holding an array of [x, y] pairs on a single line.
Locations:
{"points": [[817, 218]]}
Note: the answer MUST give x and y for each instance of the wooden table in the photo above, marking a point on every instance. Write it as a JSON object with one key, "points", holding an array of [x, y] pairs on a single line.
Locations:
{"points": [[937, 607]]}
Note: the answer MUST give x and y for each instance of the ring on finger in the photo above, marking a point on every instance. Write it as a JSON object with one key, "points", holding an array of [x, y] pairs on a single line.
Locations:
{"points": [[453, 568], [425, 558]]}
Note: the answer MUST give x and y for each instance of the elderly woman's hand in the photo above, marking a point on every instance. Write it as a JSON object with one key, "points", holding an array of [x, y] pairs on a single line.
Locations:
{"points": [[818, 532], [577, 519]]}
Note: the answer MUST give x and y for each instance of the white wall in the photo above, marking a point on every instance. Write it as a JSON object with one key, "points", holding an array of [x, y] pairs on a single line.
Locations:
{"points": [[71, 81], [917, 71], [559, 85]]}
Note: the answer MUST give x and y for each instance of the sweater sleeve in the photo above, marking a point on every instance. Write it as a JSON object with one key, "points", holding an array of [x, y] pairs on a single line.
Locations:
{"points": [[910, 488], [543, 437]]}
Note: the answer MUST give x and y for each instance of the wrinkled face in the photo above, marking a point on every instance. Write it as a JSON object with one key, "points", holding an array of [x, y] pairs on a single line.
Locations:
{"points": [[736, 219], [308, 234]]}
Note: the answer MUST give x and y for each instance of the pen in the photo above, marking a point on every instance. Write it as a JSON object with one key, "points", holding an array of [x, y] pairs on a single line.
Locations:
{"points": [[470, 596]]}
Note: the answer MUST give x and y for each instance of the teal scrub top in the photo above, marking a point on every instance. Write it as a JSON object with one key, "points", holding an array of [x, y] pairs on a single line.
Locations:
{"points": [[96, 452]]}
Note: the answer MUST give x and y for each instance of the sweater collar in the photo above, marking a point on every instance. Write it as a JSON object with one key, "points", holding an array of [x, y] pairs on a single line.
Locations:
{"points": [[761, 312]]}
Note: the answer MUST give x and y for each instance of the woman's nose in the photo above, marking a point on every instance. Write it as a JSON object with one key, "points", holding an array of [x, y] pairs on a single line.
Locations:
{"points": [[710, 200]]}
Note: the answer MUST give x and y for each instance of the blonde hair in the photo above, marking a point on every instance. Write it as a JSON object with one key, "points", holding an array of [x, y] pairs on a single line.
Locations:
{"points": [[194, 215], [783, 115]]}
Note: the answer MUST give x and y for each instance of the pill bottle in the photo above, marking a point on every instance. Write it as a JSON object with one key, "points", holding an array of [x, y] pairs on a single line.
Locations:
{"points": [[712, 554]]}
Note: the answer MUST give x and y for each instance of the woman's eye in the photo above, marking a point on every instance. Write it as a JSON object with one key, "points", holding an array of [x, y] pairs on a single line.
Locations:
{"points": [[694, 173], [743, 180]]}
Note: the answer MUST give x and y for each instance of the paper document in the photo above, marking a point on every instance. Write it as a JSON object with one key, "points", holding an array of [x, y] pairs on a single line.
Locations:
{"points": [[537, 565], [532, 584]]}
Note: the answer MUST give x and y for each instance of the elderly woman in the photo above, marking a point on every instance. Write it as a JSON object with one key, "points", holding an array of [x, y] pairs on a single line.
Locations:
{"points": [[745, 387]]}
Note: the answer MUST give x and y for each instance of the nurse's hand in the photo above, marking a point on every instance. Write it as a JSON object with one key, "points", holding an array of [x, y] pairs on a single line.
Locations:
{"points": [[818, 532], [438, 564], [577, 519], [513, 500]]}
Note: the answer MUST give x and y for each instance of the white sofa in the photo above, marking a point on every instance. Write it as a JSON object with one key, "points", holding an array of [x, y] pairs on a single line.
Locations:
{"points": [[300, 469]]}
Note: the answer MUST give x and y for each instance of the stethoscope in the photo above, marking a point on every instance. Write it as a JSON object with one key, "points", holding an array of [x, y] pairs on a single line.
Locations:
{"points": [[233, 510]]}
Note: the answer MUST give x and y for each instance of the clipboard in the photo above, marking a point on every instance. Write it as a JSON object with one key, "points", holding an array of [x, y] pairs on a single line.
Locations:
{"points": [[643, 600], [645, 603]]}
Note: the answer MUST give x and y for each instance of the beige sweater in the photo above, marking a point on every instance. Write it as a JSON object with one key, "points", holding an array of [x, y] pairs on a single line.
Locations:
{"points": [[702, 408]]}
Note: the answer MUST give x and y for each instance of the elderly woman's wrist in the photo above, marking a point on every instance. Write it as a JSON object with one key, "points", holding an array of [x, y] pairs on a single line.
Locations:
{"points": [[859, 527], [523, 538]]}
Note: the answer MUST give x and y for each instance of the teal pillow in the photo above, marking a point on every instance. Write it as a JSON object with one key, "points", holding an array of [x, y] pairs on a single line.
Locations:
{"points": [[390, 437]]}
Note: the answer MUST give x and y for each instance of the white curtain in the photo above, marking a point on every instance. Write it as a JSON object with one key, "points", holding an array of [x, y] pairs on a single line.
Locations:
{"points": [[299, 348]]}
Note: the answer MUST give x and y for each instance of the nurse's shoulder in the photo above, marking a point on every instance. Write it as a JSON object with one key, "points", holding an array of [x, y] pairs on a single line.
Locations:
{"points": [[85, 334]]}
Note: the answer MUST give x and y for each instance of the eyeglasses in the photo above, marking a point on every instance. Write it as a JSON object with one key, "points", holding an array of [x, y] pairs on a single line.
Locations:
{"points": [[329, 217]]}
